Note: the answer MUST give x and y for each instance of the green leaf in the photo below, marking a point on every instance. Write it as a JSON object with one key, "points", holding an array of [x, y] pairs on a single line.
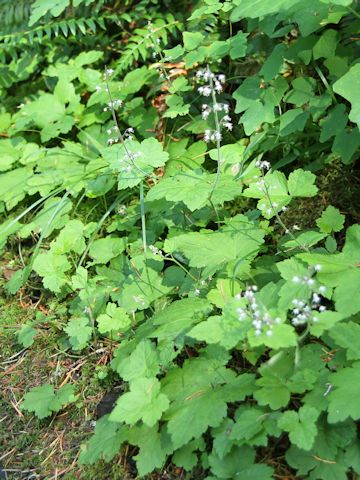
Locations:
{"points": [[343, 399], [142, 363], [43, 401], [154, 448], [326, 45], [104, 249], [241, 239], [52, 268], [347, 335], [227, 332], [177, 107], [347, 86], [143, 402], [301, 426], [238, 45], [192, 40], [105, 443], [200, 386], [346, 144], [79, 332], [144, 158], [331, 220], [194, 189], [239, 464], [179, 316], [13, 185], [293, 121], [334, 122], [40, 7], [70, 238], [282, 336], [26, 335], [258, 8], [301, 183], [115, 319]]}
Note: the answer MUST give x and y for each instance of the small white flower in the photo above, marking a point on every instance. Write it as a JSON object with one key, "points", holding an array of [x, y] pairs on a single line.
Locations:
{"points": [[109, 71], [318, 267]]}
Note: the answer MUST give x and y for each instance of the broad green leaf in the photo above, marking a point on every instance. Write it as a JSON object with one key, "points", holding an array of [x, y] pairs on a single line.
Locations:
{"points": [[134, 161], [105, 443], [52, 268], [249, 422], [115, 319], [346, 144], [40, 7], [26, 335], [227, 332], [301, 426], [343, 399], [326, 45], [325, 321], [13, 185], [194, 189], [70, 238], [346, 86], [154, 448], [282, 336], [43, 401], [331, 220], [143, 402], [238, 45], [334, 122], [177, 107], [301, 183], [142, 363], [258, 8], [52, 216], [240, 239], [239, 464], [179, 316], [293, 121], [347, 335], [192, 40], [79, 331], [104, 249]]}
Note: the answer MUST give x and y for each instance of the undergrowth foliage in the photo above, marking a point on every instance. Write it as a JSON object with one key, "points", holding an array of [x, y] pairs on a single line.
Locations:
{"points": [[148, 174]]}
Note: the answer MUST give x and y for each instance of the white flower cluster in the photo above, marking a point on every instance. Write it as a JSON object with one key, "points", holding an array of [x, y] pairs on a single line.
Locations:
{"points": [[114, 105], [213, 87], [212, 136], [303, 311], [217, 107], [263, 164], [215, 84], [122, 210], [262, 320], [155, 250]]}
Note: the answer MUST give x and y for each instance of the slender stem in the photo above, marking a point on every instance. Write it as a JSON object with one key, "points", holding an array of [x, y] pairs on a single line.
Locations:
{"points": [[218, 138], [143, 220], [287, 230]]}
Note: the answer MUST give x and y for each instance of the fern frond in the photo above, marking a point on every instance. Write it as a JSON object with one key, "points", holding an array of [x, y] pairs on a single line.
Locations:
{"points": [[139, 45]]}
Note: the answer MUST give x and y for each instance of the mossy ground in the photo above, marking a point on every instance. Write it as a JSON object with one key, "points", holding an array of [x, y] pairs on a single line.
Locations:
{"points": [[46, 449]]}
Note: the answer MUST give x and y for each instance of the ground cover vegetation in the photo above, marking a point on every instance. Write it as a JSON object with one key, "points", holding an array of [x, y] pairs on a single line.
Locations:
{"points": [[180, 239]]}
